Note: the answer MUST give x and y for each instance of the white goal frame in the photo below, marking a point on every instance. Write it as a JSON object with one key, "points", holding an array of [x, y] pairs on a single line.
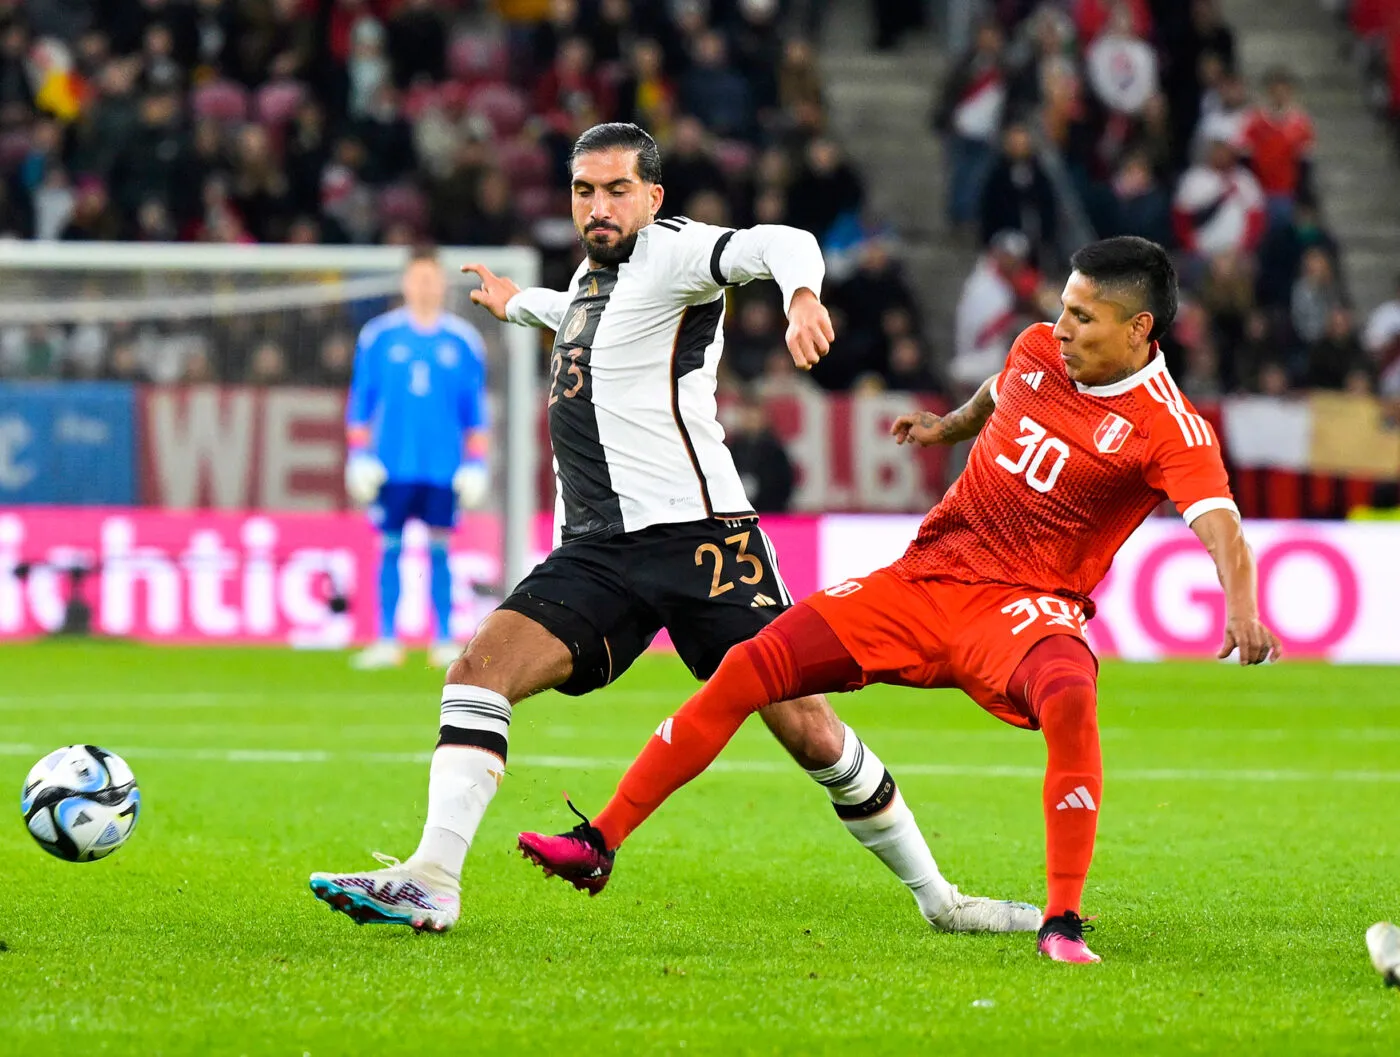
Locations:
{"points": [[520, 263]]}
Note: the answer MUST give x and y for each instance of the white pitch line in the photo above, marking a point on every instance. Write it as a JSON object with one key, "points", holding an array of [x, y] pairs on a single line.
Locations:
{"points": [[618, 764]]}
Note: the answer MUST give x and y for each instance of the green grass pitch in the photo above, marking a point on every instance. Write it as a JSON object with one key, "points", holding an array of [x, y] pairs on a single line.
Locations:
{"points": [[1249, 836]]}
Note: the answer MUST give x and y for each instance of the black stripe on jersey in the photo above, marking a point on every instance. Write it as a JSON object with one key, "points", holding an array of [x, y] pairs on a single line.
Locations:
{"points": [[694, 335], [720, 243], [591, 505], [669, 225]]}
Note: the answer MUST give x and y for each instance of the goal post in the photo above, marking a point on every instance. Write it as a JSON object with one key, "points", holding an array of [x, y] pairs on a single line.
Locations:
{"points": [[178, 300]]}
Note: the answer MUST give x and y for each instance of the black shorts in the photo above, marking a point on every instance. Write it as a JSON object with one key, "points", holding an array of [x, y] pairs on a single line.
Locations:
{"points": [[710, 583]]}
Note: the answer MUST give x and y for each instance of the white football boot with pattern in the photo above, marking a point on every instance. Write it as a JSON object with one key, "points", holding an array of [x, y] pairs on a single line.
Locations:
{"points": [[381, 654], [980, 914], [421, 897]]}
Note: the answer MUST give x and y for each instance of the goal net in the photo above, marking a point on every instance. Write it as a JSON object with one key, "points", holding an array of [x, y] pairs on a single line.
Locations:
{"points": [[263, 316]]}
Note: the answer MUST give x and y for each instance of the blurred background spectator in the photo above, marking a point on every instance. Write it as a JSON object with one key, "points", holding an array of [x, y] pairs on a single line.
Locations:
{"points": [[760, 458]]}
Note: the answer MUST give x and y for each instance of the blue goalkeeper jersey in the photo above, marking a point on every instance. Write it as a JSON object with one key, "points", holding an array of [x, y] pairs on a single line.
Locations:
{"points": [[415, 394]]}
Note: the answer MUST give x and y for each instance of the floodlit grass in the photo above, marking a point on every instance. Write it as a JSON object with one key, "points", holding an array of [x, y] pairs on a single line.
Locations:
{"points": [[1249, 836]]}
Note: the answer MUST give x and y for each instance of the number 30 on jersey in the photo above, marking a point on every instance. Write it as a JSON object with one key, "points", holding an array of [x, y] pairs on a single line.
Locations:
{"points": [[1042, 456]]}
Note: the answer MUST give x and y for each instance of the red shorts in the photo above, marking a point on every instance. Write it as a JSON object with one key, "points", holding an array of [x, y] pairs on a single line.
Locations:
{"points": [[937, 633]]}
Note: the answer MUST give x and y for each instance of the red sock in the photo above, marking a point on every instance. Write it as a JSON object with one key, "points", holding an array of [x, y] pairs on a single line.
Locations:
{"points": [[1059, 680], [753, 674]]}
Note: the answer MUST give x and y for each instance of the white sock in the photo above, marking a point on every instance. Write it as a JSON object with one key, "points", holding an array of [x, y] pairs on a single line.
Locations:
{"points": [[467, 769], [870, 806]]}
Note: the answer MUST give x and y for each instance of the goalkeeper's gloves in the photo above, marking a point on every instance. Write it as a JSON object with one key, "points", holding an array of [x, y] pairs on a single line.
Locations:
{"points": [[471, 482], [364, 474]]}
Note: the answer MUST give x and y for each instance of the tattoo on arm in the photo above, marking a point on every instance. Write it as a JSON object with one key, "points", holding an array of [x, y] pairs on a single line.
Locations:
{"points": [[967, 421]]}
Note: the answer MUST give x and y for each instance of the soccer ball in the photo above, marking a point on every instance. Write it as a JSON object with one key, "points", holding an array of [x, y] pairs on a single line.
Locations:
{"points": [[80, 803]]}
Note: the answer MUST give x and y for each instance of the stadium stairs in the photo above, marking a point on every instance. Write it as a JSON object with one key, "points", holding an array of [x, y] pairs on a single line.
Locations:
{"points": [[1355, 167], [879, 106]]}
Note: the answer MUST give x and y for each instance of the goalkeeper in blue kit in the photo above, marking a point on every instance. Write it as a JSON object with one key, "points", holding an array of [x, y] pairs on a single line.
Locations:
{"points": [[417, 438]]}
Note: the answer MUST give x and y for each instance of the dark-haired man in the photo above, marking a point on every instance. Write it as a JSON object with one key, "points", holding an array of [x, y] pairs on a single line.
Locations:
{"points": [[1079, 438], [655, 531]]}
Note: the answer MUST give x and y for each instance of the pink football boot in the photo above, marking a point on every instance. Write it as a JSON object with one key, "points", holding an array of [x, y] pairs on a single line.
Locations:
{"points": [[1061, 939], [580, 856]]}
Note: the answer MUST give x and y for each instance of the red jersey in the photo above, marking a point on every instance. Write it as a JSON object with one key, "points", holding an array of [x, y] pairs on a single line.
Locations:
{"points": [[1062, 474], [1277, 143]]}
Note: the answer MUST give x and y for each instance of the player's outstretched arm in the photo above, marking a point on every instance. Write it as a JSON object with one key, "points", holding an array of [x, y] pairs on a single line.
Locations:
{"points": [[1220, 531], [925, 429], [714, 258], [536, 306], [495, 292]]}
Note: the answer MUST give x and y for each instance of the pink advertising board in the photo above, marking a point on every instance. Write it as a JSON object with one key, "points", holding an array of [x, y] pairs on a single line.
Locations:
{"points": [[1328, 588], [214, 576]]}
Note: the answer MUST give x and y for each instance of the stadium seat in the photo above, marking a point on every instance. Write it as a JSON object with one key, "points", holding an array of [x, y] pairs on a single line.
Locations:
{"points": [[533, 203], [527, 164], [221, 101], [403, 204], [14, 146], [733, 157], [421, 98], [278, 101], [453, 96], [472, 58], [506, 108]]}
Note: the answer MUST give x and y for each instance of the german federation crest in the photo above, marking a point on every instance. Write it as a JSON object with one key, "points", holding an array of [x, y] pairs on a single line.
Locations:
{"points": [[1112, 432], [574, 327]]}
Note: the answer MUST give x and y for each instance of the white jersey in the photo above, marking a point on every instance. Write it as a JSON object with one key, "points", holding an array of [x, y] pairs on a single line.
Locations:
{"points": [[632, 415]]}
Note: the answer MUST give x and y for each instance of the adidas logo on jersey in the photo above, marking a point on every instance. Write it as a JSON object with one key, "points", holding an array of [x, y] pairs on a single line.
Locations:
{"points": [[664, 731], [761, 600], [1033, 379], [1080, 798]]}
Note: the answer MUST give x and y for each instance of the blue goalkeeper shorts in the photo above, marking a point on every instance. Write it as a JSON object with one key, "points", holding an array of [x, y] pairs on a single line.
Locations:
{"points": [[433, 504]]}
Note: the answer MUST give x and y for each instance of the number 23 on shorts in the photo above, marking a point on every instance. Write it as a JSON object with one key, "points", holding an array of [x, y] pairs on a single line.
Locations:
{"points": [[711, 552]]}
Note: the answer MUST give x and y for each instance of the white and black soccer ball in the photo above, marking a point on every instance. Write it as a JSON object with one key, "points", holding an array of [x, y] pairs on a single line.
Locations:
{"points": [[80, 803]]}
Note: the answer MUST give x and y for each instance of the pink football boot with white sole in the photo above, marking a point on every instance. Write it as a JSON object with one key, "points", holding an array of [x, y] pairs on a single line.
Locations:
{"points": [[1061, 939]]}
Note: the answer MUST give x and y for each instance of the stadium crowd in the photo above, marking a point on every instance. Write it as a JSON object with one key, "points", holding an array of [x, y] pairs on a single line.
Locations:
{"points": [[395, 121], [1131, 117]]}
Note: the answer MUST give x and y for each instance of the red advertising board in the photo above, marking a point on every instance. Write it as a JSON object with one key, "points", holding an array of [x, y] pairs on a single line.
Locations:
{"points": [[282, 449]]}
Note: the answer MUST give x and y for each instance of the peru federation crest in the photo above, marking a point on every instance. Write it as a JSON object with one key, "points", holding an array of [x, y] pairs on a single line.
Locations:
{"points": [[1112, 432]]}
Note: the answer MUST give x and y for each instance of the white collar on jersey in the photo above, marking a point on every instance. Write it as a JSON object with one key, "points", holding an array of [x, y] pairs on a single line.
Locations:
{"points": [[1155, 366]]}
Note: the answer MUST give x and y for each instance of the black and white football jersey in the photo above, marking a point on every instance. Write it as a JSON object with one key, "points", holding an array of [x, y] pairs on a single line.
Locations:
{"points": [[632, 414]]}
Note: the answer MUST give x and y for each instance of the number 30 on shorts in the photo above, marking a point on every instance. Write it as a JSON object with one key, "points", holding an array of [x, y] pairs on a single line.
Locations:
{"points": [[1058, 613]]}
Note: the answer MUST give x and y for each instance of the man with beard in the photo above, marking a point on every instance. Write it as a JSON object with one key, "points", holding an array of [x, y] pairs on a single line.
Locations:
{"points": [[654, 531]]}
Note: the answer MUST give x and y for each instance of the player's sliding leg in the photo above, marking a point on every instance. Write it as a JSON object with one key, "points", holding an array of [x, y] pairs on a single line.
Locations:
{"points": [[510, 658], [871, 807], [443, 650], [767, 676], [385, 652], [683, 746], [1060, 688]]}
